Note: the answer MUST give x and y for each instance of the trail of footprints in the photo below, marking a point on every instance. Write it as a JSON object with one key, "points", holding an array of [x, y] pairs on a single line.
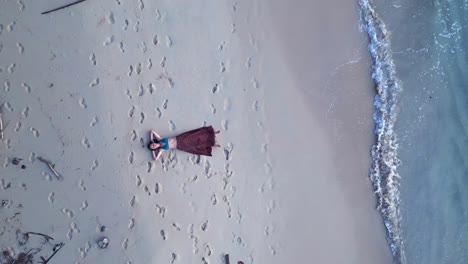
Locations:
{"points": [[151, 88]]}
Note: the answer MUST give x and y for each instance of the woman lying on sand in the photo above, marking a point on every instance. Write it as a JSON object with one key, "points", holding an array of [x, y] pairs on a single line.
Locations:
{"points": [[199, 141]]}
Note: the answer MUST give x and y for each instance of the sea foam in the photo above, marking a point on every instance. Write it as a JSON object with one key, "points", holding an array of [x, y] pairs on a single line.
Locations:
{"points": [[383, 174]]}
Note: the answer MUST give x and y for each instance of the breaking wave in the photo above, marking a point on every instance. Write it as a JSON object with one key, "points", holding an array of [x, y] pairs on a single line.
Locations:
{"points": [[383, 174]]}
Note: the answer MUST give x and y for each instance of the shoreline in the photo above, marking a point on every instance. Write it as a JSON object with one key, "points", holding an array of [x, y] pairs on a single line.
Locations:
{"points": [[290, 181]]}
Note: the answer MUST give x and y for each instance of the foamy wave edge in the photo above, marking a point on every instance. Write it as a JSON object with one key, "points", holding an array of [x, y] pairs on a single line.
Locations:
{"points": [[383, 174]]}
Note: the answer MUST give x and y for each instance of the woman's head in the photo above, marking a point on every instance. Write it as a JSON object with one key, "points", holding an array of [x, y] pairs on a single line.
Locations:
{"points": [[153, 146]]}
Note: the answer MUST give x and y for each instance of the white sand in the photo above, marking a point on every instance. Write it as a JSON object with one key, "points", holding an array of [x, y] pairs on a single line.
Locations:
{"points": [[289, 91]]}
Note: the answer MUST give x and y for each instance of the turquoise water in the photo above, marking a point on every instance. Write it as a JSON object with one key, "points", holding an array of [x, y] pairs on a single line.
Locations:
{"points": [[420, 170]]}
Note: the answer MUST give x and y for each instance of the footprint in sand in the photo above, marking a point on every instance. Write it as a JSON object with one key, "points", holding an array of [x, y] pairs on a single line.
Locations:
{"points": [[163, 234], [142, 117], [10, 27], [161, 210], [125, 27], [21, 5], [25, 112], [6, 85], [11, 68], [215, 88], [125, 244], [225, 124], [213, 109], [176, 226], [228, 151], [70, 234], [136, 27], [173, 258], [94, 82], [34, 131], [84, 205], [51, 197], [204, 226], [131, 223], [248, 62], [207, 249], [132, 201], [131, 112], [110, 18], [26, 87], [149, 166], [85, 142], [93, 60], [108, 41], [155, 40], [138, 69], [214, 200], [95, 165], [172, 126], [82, 185], [18, 127], [130, 70], [271, 206], [20, 48], [169, 41], [82, 103], [134, 135], [256, 84], [255, 105], [138, 181], [150, 64], [143, 47], [151, 88], [68, 212]]}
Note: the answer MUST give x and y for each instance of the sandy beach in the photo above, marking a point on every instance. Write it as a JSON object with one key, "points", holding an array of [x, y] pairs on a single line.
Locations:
{"points": [[288, 85]]}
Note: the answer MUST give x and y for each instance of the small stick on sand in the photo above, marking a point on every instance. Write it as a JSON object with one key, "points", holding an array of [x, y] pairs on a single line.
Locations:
{"points": [[51, 167], [62, 7], [1, 127]]}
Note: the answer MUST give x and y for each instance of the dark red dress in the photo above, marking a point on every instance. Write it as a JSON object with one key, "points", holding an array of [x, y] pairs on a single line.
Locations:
{"points": [[198, 141]]}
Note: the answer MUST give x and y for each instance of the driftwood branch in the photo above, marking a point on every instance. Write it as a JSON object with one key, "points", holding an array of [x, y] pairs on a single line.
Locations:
{"points": [[51, 167], [56, 249], [39, 234], [62, 7]]}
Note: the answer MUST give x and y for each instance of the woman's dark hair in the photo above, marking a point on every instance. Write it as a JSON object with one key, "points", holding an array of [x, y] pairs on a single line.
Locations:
{"points": [[151, 142]]}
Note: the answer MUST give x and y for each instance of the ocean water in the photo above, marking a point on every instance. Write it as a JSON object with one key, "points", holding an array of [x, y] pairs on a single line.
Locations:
{"points": [[420, 158]]}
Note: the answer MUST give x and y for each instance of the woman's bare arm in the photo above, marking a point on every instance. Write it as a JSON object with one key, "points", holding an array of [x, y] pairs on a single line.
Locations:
{"points": [[153, 133], [159, 154]]}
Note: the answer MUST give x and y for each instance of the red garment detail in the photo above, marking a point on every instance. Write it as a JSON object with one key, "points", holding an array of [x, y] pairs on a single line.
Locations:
{"points": [[198, 141]]}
